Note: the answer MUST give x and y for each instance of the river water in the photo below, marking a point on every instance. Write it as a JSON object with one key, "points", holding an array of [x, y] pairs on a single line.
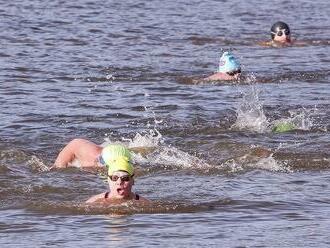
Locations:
{"points": [[129, 72]]}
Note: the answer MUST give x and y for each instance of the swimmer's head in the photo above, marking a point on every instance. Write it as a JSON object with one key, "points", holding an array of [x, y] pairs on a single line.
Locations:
{"points": [[117, 158], [280, 29], [228, 63]]}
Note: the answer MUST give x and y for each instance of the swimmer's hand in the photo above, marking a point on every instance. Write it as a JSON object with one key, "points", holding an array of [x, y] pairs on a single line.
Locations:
{"points": [[57, 166]]}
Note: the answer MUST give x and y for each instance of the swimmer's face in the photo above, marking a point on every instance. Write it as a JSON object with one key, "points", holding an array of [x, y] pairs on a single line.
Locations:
{"points": [[120, 184], [235, 74], [282, 36]]}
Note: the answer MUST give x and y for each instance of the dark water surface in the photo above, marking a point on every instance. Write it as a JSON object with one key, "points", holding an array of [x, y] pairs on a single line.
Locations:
{"points": [[127, 71]]}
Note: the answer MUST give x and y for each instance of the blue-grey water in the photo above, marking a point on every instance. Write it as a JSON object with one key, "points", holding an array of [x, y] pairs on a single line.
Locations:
{"points": [[129, 72]]}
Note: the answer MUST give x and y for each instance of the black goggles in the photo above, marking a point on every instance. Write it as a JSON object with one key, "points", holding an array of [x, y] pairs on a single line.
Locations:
{"points": [[281, 32], [233, 73], [115, 178]]}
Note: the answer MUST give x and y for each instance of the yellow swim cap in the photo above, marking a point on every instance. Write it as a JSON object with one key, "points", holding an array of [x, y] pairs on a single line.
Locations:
{"points": [[117, 158]]}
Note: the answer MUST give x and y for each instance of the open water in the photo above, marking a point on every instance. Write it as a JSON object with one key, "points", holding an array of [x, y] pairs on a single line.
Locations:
{"points": [[128, 71]]}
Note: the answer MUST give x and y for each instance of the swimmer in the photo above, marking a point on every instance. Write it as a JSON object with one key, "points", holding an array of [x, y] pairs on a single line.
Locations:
{"points": [[120, 172], [282, 127], [229, 68], [115, 158], [84, 153], [280, 34]]}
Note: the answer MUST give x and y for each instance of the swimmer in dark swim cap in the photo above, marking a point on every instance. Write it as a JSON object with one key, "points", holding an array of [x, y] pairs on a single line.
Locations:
{"points": [[280, 33], [281, 36], [229, 68]]}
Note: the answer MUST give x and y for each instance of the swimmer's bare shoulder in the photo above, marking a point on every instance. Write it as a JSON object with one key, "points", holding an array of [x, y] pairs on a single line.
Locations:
{"points": [[265, 43], [100, 198], [274, 44], [96, 198], [294, 42]]}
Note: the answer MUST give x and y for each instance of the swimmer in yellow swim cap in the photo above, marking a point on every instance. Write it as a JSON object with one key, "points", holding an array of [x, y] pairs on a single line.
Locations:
{"points": [[115, 158], [120, 172]]}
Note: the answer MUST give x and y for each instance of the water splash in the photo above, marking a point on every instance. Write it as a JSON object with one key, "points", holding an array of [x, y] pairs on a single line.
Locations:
{"points": [[300, 119], [150, 139], [36, 164], [257, 158], [250, 114], [13, 159], [173, 157], [249, 78]]}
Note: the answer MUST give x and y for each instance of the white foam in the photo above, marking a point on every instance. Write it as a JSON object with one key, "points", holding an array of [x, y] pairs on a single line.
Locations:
{"points": [[264, 163], [173, 157], [250, 114], [150, 139], [36, 164]]}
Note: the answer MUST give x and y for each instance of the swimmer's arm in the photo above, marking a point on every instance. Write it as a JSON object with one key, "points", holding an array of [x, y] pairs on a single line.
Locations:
{"points": [[96, 198], [66, 156], [85, 151]]}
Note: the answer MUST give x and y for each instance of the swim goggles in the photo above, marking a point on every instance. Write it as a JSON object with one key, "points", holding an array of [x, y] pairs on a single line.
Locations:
{"points": [[233, 73], [115, 178], [281, 32]]}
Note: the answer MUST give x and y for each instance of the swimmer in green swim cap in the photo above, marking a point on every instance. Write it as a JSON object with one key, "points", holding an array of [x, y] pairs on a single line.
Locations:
{"points": [[283, 127]]}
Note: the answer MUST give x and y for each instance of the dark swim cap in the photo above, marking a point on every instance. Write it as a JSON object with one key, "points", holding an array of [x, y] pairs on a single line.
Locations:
{"points": [[277, 26]]}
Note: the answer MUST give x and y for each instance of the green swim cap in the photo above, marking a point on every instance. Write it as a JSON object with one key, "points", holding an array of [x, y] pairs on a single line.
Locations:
{"points": [[283, 127], [117, 158]]}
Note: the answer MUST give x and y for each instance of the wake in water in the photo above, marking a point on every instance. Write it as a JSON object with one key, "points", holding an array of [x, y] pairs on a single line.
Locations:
{"points": [[257, 158], [248, 78], [153, 155], [201, 41], [127, 208], [29, 185]]}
